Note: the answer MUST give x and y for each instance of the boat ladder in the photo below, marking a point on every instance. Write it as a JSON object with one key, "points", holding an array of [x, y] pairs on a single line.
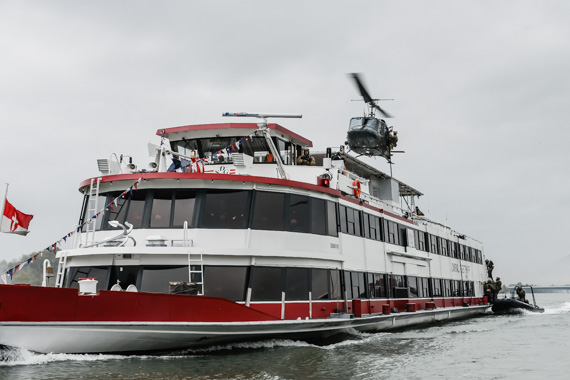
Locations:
{"points": [[92, 209], [196, 270], [61, 270]]}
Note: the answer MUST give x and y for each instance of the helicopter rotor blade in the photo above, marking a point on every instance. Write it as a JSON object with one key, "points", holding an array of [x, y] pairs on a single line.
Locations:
{"points": [[366, 96], [361, 88]]}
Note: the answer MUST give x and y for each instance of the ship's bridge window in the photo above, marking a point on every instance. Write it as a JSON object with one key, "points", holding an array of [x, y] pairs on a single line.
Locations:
{"points": [[218, 150], [172, 209], [128, 209]]}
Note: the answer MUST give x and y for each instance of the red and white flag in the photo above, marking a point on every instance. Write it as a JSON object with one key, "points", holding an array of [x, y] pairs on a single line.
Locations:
{"points": [[14, 221]]}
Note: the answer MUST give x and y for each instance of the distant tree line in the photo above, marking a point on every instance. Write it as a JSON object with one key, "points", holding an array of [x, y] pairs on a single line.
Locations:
{"points": [[33, 272]]}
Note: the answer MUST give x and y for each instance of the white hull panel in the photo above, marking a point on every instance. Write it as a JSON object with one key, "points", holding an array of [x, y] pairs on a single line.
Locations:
{"points": [[98, 337]]}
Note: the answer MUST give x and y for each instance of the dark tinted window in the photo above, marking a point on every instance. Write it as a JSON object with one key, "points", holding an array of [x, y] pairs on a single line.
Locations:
{"points": [[347, 284], [335, 288], [298, 213], [161, 207], [266, 284], [318, 216], [157, 279], [225, 209], [268, 211], [297, 284], [379, 286], [413, 286], [225, 282], [101, 274], [319, 284], [183, 208]]}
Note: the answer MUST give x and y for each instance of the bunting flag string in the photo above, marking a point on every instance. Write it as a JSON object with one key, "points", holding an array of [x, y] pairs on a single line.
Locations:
{"points": [[54, 247]]}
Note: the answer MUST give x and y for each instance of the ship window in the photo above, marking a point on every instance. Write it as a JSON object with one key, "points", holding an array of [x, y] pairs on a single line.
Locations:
{"points": [[225, 209], [319, 284], [420, 238], [267, 284], [347, 284], [446, 291], [379, 286], [297, 284], [358, 287], [403, 236], [225, 282], [342, 219], [436, 287], [101, 274], [298, 213], [392, 229], [101, 204], [156, 279], [183, 208], [353, 221], [318, 216], [124, 275], [268, 211], [136, 209], [398, 286], [433, 244], [423, 287], [413, 286], [374, 227], [161, 207], [332, 224], [118, 211], [335, 287]]}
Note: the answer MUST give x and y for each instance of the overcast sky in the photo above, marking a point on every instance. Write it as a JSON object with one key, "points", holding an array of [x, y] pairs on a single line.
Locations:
{"points": [[481, 93]]}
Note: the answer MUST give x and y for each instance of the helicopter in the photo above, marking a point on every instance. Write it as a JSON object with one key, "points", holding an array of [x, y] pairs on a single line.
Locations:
{"points": [[369, 135]]}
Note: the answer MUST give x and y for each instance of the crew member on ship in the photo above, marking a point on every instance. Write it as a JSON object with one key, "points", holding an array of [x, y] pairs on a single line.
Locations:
{"points": [[488, 291], [418, 212], [490, 267], [498, 286], [306, 159], [521, 293]]}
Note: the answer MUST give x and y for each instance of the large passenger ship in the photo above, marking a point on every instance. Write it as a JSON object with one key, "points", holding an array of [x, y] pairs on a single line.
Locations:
{"points": [[224, 237]]}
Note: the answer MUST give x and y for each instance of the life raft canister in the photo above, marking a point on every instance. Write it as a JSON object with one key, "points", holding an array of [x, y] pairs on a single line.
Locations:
{"points": [[356, 186]]}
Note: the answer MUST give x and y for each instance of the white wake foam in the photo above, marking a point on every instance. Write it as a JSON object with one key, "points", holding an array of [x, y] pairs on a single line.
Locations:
{"points": [[564, 308]]}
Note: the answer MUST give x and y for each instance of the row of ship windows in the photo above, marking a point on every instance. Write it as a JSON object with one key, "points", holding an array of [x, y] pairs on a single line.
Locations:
{"points": [[261, 210], [269, 283]]}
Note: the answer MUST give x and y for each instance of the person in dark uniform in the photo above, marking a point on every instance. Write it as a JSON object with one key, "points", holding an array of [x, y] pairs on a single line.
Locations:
{"points": [[306, 159], [498, 287], [521, 293], [490, 267], [488, 291]]}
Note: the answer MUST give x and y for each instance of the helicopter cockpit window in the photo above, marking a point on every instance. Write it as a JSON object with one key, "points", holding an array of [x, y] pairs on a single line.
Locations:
{"points": [[218, 150], [364, 123]]}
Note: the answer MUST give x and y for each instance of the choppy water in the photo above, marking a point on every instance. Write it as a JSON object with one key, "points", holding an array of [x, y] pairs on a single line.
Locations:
{"points": [[526, 346]]}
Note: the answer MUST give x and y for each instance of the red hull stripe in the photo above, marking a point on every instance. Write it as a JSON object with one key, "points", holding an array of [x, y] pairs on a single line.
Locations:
{"points": [[38, 304], [35, 304], [242, 178]]}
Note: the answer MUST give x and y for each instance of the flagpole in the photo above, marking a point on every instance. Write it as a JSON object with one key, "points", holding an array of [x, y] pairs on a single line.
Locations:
{"points": [[2, 207]]}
